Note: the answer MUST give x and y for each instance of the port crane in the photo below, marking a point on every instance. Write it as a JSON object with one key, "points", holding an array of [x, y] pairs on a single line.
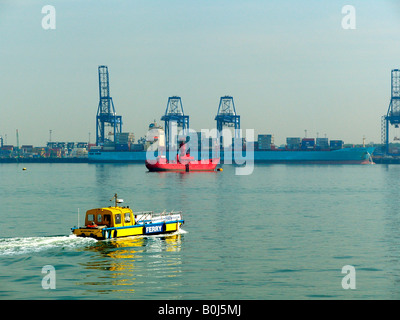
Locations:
{"points": [[174, 115], [227, 117], [393, 114], [107, 122]]}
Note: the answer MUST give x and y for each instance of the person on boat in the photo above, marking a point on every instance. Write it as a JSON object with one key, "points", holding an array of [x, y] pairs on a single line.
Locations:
{"points": [[107, 220], [93, 225]]}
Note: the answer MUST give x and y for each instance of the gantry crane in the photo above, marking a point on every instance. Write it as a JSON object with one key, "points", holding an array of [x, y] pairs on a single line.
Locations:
{"points": [[393, 114], [107, 122], [227, 117], [174, 114]]}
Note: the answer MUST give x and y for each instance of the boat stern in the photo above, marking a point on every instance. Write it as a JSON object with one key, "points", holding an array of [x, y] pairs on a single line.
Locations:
{"points": [[95, 233]]}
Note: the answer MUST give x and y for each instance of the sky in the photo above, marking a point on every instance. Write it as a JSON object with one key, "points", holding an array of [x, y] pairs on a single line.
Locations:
{"points": [[289, 65]]}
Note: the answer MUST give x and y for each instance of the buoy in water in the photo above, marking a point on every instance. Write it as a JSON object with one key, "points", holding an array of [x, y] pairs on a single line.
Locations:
{"points": [[220, 169], [23, 169]]}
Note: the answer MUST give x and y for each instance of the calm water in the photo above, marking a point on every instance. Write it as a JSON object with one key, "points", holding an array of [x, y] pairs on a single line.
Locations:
{"points": [[284, 232]]}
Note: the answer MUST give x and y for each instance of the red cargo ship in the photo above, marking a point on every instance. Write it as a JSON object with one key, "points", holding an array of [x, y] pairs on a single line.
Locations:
{"points": [[183, 162]]}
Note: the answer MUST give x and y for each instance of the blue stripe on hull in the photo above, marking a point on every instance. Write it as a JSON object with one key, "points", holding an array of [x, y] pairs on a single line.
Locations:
{"points": [[346, 155]]}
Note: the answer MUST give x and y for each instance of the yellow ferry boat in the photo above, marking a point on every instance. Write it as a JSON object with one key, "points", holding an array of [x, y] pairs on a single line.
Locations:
{"points": [[117, 222]]}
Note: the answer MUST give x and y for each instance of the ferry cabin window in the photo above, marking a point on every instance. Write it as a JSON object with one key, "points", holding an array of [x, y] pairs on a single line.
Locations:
{"points": [[107, 219], [90, 217], [118, 218], [127, 217], [99, 218]]}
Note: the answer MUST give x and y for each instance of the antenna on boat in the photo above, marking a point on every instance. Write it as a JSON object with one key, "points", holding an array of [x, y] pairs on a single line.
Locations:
{"points": [[115, 198]]}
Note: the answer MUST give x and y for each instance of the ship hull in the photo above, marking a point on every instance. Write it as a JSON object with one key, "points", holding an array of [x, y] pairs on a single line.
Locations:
{"points": [[209, 165], [341, 156]]}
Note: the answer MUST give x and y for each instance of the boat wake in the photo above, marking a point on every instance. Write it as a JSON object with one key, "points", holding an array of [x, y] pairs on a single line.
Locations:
{"points": [[15, 246], [18, 246]]}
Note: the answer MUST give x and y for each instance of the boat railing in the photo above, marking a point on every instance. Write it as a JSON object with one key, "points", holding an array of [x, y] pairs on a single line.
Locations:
{"points": [[143, 216], [146, 216], [166, 213]]}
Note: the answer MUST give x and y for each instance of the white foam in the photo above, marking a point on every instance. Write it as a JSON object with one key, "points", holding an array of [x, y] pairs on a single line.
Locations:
{"points": [[13, 246]]}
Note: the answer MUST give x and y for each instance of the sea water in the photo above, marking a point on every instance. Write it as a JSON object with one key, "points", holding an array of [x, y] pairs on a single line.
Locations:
{"points": [[282, 232]]}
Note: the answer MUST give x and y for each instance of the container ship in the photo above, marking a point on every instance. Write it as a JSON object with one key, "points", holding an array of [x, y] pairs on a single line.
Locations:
{"points": [[341, 156], [296, 150]]}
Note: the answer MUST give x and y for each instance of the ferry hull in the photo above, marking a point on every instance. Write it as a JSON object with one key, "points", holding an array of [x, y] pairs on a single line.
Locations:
{"points": [[135, 230]]}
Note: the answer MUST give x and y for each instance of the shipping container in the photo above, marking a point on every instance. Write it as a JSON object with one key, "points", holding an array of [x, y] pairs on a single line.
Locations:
{"points": [[293, 141], [322, 144], [61, 145], [5, 153], [81, 145], [27, 148], [265, 138], [7, 148], [265, 141], [38, 149], [124, 137], [121, 147], [51, 145], [264, 146], [336, 144], [307, 143], [137, 147], [322, 141]]}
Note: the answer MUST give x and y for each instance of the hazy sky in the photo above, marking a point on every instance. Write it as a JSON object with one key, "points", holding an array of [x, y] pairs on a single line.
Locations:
{"points": [[289, 65]]}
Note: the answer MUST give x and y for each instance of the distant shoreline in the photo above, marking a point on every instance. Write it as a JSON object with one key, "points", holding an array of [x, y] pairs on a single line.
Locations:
{"points": [[86, 160], [44, 160]]}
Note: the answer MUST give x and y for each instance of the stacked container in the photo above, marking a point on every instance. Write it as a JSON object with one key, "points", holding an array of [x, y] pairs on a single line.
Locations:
{"points": [[322, 144], [265, 141], [336, 144], [123, 141], [108, 146], [308, 144], [293, 143]]}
